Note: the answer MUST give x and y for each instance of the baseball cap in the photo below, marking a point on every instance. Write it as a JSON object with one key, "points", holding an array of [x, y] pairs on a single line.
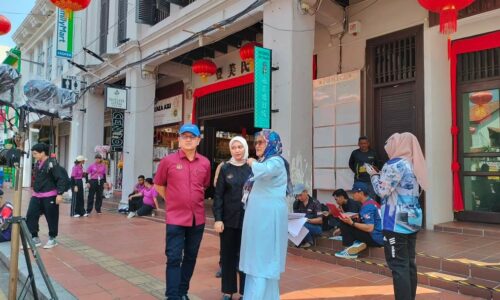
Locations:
{"points": [[298, 188], [80, 158], [191, 128], [359, 187]]}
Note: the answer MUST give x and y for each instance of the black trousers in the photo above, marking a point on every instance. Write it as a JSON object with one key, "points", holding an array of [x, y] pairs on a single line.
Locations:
{"points": [[145, 210], [49, 208], [230, 257], [351, 234], [400, 256], [96, 188], [77, 202], [134, 204]]}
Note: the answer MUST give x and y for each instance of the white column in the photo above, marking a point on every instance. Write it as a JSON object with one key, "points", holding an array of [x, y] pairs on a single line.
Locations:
{"points": [[438, 139], [138, 140], [76, 135], [93, 125], [290, 35]]}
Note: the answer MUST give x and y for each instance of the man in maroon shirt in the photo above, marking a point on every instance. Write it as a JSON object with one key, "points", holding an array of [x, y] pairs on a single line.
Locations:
{"points": [[181, 180]]}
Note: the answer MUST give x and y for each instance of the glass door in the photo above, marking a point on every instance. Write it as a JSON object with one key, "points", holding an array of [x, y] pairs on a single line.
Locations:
{"points": [[480, 151]]}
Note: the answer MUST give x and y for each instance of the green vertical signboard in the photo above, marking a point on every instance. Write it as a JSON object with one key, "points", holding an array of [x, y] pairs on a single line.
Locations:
{"points": [[64, 30], [262, 87]]}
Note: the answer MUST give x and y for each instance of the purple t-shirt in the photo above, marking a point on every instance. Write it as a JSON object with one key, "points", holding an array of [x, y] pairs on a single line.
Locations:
{"points": [[148, 195]]}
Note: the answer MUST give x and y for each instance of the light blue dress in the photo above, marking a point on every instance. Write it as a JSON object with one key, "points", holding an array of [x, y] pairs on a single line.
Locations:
{"points": [[264, 237]]}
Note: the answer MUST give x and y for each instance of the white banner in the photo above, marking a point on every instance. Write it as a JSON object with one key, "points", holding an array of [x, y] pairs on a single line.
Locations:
{"points": [[116, 98], [168, 111]]}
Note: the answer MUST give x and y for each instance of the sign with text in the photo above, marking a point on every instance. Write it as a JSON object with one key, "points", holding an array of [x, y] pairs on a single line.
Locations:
{"points": [[64, 31], [117, 130], [262, 88], [168, 111], [116, 98]]}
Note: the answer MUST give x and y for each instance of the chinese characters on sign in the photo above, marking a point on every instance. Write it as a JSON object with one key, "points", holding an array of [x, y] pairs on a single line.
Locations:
{"points": [[231, 70], [117, 130], [262, 88], [116, 98]]}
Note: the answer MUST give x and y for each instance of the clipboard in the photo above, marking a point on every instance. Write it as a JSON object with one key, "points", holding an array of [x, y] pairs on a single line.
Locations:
{"points": [[335, 211]]}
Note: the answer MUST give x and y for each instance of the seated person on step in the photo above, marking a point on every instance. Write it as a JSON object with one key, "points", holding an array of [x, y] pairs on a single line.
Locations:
{"points": [[345, 205], [5, 214], [365, 231], [135, 198], [312, 208], [149, 200]]}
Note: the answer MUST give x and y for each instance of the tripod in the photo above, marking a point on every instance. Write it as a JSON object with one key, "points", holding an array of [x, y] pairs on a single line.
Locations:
{"points": [[27, 246]]}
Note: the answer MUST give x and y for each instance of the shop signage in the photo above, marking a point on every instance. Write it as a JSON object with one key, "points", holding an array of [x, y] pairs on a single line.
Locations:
{"points": [[117, 130], [64, 31], [116, 98], [262, 88], [232, 70], [71, 83], [168, 111]]}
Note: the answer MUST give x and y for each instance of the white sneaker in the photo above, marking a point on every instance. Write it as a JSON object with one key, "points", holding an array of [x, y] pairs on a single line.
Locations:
{"points": [[35, 240], [76, 216], [85, 214], [131, 214], [51, 243]]}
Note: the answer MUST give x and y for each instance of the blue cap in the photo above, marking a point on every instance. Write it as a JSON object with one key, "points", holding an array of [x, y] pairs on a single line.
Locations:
{"points": [[191, 128], [360, 187], [298, 188]]}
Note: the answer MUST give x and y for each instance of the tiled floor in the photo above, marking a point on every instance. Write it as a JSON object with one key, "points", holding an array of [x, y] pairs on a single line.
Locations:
{"points": [[108, 256]]}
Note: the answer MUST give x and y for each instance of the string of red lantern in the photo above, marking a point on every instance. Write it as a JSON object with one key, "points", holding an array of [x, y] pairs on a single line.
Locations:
{"points": [[247, 53], [71, 5], [448, 12], [204, 68]]}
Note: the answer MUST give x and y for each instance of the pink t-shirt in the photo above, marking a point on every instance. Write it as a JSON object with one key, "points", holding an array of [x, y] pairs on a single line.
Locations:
{"points": [[97, 171], [148, 195], [185, 183]]}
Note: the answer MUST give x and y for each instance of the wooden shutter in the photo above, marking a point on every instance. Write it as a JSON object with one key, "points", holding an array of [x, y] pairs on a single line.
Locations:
{"points": [[145, 12], [104, 24], [122, 21]]}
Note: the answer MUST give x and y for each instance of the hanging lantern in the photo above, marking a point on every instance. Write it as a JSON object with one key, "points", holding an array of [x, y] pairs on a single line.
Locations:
{"points": [[71, 5], [448, 12], [4, 25], [247, 53], [204, 68]]}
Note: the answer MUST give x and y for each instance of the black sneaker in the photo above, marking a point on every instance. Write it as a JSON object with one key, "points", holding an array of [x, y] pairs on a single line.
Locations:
{"points": [[218, 274]]}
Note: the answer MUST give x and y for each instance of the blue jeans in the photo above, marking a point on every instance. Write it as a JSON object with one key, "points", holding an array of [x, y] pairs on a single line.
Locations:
{"points": [[181, 250], [314, 229]]}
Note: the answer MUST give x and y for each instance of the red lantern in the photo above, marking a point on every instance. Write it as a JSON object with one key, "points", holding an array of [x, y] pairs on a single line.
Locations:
{"points": [[448, 12], [204, 68], [4, 25], [247, 53], [71, 5]]}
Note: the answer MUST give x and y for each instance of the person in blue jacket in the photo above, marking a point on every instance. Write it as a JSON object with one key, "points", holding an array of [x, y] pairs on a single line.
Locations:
{"points": [[398, 186]]}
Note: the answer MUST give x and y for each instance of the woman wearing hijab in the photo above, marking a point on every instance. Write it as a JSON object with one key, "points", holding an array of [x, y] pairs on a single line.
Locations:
{"points": [[77, 173], [264, 240], [398, 186], [228, 213]]}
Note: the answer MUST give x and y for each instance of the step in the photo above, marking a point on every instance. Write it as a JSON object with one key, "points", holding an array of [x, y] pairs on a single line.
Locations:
{"points": [[469, 228], [486, 289]]}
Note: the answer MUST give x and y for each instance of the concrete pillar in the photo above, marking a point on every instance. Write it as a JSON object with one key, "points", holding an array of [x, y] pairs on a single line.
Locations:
{"points": [[290, 35], [138, 140], [93, 125], [76, 141], [438, 141]]}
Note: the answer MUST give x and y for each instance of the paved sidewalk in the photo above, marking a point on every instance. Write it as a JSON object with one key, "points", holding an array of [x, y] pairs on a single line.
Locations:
{"points": [[108, 256]]}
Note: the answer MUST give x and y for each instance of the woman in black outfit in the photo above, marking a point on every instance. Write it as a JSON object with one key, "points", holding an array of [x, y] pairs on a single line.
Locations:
{"points": [[77, 203], [228, 213]]}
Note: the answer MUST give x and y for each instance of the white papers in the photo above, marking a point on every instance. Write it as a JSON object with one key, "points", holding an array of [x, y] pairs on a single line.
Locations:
{"points": [[296, 229], [300, 236]]}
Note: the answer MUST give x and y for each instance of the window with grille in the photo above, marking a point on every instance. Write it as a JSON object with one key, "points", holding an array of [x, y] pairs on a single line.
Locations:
{"points": [[122, 21], [478, 65], [151, 11], [395, 61], [48, 70], [31, 56], [40, 57], [226, 102], [59, 66], [104, 24]]}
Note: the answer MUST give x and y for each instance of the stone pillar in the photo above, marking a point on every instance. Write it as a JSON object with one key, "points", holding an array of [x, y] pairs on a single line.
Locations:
{"points": [[139, 128], [93, 126], [290, 35]]}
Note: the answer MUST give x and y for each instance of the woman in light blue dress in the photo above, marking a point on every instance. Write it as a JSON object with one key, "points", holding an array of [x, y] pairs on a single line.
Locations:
{"points": [[264, 237]]}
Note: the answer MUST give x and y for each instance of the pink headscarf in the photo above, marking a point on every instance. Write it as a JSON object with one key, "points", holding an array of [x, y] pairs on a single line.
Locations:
{"points": [[405, 145]]}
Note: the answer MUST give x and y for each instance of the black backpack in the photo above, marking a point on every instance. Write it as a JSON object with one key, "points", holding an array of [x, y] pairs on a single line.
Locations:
{"points": [[64, 174]]}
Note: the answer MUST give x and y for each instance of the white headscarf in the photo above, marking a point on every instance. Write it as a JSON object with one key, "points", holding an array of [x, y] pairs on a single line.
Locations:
{"points": [[245, 146]]}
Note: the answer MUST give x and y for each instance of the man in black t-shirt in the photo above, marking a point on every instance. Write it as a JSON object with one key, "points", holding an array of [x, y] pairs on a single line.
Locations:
{"points": [[357, 160]]}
